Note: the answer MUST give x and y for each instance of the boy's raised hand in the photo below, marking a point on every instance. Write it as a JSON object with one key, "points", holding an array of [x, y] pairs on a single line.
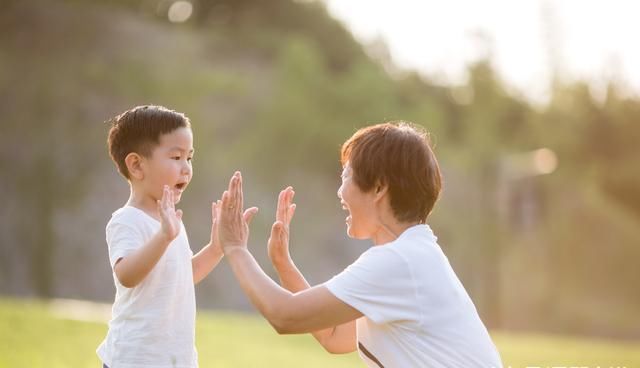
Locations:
{"points": [[170, 218], [278, 245]]}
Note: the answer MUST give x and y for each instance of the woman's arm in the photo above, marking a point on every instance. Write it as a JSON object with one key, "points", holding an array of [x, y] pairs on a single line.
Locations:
{"points": [[309, 310], [338, 339]]}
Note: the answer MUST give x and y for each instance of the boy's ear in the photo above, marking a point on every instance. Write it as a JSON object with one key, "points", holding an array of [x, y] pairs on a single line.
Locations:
{"points": [[134, 165]]}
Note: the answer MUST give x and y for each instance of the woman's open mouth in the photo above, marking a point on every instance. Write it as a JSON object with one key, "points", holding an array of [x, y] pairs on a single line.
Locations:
{"points": [[347, 220]]}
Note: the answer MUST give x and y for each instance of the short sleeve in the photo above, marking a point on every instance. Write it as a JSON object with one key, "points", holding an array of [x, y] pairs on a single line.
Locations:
{"points": [[379, 285], [122, 239]]}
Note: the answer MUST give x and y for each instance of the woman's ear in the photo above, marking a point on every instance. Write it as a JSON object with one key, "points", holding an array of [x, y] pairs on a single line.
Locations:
{"points": [[380, 190], [134, 166]]}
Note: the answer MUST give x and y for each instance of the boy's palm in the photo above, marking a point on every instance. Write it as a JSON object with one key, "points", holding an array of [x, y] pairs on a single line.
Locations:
{"points": [[170, 218]]}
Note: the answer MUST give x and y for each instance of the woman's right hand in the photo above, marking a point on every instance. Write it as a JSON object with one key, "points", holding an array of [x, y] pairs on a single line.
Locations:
{"points": [[278, 245]]}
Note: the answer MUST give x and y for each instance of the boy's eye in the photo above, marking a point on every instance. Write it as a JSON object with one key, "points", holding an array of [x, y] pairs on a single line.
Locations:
{"points": [[175, 158]]}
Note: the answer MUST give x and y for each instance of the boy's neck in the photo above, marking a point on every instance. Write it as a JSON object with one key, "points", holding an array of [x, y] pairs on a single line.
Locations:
{"points": [[143, 201]]}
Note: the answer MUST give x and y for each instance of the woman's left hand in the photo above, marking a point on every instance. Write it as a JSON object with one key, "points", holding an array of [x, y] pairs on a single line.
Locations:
{"points": [[278, 245]]}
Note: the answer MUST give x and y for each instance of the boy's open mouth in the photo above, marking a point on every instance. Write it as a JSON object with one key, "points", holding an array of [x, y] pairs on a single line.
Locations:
{"points": [[180, 186]]}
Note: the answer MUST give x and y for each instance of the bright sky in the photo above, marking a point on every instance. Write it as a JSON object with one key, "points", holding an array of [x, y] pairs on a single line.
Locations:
{"points": [[594, 40]]}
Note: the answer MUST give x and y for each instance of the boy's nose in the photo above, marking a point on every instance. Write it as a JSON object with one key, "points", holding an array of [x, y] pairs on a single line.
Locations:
{"points": [[187, 169]]}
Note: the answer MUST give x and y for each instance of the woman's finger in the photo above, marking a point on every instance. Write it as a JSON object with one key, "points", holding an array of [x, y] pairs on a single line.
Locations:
{"points": [[225, 205], [287, 209], [280, 207], [233, 195], [248, 214], [239, 193], [292, 210]]}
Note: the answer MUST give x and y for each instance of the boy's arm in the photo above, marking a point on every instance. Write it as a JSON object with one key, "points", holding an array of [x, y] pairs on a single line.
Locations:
{"points": [[338, 339], [211, 254], [133, 268]]}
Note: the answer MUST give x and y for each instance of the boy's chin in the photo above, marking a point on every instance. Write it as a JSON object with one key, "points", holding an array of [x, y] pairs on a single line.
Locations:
{"points": [[177, 196]]}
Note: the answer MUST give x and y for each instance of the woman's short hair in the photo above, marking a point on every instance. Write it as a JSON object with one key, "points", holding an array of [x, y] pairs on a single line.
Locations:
{"points": [[398, 155]]}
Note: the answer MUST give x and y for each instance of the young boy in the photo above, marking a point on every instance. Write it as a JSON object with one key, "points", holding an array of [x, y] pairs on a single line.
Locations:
{"points": [[154, 269]]}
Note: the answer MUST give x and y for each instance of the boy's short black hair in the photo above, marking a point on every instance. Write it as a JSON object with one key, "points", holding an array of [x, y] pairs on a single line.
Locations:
{"points": [[399, 155], [139, 129]]}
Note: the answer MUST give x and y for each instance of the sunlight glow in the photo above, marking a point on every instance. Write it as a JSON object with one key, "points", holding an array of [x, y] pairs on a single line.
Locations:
{"points": [[180, 11], [530, 43]]}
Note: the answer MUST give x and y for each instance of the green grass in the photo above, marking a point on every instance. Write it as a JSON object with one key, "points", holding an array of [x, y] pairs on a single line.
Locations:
{"points": [[35, 334]]}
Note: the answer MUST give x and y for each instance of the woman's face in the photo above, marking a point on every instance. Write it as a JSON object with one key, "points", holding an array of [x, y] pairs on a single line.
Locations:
{"points": [[361, 221]]}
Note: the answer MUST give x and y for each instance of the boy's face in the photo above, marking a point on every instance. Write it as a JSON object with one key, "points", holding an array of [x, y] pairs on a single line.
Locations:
{"points": [[169, 164]]}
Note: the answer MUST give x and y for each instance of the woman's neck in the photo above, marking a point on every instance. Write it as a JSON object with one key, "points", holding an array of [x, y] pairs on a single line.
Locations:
{"points": [[389, 231]]}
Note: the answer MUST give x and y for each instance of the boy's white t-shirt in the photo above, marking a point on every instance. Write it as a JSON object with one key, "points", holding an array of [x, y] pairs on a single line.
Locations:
{"points": [[416, 311], [153, 323]]}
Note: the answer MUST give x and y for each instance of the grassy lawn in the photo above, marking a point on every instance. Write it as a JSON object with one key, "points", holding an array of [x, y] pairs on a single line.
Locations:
{"points": [[36, 334]]}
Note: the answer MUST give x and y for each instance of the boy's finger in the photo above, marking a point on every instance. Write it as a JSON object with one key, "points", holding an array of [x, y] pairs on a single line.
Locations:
{"points": [[164, 195]]}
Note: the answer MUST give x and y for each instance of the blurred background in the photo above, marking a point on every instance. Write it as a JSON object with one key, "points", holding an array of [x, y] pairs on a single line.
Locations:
{"points": [[533, 108]]}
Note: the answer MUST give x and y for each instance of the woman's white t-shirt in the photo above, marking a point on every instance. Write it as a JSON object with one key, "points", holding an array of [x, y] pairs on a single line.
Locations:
{"points": [[153, 323], [416, 311]]}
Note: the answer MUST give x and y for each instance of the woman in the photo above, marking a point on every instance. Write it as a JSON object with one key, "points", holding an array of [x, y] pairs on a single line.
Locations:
{"points": [[400, 304]]}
